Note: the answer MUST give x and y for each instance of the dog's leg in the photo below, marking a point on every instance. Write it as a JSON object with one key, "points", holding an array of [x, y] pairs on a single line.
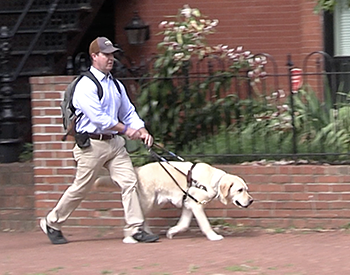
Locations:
{"points": [[203, 222], [182, 225]]}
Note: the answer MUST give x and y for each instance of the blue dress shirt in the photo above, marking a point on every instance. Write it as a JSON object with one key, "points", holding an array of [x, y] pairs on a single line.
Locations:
{"points": [[100, 115]]}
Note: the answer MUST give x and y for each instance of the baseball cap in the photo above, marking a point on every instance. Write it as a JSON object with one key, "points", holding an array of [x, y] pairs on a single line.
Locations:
{"points": [[103, 45]]}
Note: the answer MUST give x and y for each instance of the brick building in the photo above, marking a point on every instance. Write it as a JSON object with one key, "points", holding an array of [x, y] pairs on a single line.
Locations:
{"points": [[276, 27]]}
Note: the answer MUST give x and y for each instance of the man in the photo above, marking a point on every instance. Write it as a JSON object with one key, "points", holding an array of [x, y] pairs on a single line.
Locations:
{"points": [[102, 122]]}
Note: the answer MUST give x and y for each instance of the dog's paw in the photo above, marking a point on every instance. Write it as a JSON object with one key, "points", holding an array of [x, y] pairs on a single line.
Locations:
{"points": [[129, 239], [214, 237], [171, 232]]}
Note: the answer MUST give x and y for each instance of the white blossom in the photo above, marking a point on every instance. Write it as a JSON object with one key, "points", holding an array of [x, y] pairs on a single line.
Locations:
{"points": [[163, 24], [186, 11], [214, 23], [179, 56], [195, 12], [239, 49]]}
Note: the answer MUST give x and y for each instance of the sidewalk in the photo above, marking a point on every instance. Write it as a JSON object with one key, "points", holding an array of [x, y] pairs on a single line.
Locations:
{"points": [[256, 252]]}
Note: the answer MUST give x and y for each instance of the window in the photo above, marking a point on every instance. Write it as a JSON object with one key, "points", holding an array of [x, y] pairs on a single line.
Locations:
{"points": [[342, 29]]}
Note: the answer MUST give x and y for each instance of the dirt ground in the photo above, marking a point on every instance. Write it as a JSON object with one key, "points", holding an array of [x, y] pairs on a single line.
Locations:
{"points": [[254, 252]]}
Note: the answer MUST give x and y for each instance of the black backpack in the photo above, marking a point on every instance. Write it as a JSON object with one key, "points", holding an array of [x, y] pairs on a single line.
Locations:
{"points": [[68, 110]]}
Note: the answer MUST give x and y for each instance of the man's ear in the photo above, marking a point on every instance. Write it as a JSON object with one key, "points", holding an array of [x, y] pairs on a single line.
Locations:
{"points": [[93, 56], [224, 190]]}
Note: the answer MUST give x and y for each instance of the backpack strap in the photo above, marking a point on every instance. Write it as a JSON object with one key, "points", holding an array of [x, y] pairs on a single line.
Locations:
{"points": [[90, 75], [117, 85], [71, 107], [94, 79], [97, 83], [71, 126]]}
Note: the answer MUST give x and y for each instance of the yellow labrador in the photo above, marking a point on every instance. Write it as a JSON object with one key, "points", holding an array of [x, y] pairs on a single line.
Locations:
{"points": [[158, 186]]}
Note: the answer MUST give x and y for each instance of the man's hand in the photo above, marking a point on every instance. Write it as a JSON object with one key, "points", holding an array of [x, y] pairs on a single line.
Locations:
{"points": [[147, 139], [133, 134], [140, 134]]}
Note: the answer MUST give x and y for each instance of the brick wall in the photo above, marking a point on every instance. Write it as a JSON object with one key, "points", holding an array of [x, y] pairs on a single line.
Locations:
{"points": [[305, 196], [285, 196], [16, 197], [276, 27]]}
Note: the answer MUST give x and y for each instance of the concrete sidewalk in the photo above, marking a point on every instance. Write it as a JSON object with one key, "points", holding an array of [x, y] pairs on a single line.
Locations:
{"points": [[255, 252]]}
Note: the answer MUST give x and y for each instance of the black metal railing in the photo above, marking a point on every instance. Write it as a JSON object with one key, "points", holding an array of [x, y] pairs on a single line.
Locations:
{"points": [[233, 121], [34, 38]]}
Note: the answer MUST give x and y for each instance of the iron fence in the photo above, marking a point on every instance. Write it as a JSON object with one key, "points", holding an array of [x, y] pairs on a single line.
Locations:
{"points": [[208, 113]]}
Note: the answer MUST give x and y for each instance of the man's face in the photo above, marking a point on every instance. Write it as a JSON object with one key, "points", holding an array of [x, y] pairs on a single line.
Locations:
{"points": [[103, 61]]}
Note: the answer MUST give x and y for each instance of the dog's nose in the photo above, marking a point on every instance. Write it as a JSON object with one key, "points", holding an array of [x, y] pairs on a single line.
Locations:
{"points": [[244, 206]]}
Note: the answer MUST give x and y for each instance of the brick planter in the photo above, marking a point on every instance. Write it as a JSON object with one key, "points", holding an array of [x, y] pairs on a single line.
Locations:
{"points": [[17, 210]]}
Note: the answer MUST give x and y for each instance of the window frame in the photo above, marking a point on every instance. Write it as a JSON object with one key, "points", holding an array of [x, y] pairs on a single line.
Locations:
{"points": [[341, 26]]}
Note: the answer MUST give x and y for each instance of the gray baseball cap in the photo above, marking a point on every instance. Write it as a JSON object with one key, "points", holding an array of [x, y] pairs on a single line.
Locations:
{"points": [[103, 45]]}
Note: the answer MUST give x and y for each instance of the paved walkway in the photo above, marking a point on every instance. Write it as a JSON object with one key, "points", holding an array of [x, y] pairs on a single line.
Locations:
{"points": [[246, 253]]}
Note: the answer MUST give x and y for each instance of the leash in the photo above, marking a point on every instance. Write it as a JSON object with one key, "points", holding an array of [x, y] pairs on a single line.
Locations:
{"points": [[171, 153], [188, 176]]}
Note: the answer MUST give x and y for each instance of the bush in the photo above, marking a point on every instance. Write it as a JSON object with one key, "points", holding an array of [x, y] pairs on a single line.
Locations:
{"points": [[180, 106]]}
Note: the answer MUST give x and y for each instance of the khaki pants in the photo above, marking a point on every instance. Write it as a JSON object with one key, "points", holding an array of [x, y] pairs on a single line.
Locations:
{"points": [[112, 155]]}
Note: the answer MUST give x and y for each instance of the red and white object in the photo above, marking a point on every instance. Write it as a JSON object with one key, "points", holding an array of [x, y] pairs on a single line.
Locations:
{"points": [[297, 79]]}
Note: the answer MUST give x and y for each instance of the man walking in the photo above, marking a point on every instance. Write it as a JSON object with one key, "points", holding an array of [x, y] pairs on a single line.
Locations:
{"points": [[102, 122]]}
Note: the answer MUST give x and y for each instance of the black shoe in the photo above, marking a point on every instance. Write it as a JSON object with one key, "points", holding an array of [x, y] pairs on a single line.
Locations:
{"points": [[144, 237], [55, 236]]}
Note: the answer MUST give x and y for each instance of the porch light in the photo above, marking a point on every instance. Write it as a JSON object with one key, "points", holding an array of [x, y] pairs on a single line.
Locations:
{"points": [[137, 31]]}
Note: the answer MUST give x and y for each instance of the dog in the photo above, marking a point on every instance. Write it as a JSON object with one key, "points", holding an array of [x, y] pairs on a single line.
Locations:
{"points": [[189, 187]]}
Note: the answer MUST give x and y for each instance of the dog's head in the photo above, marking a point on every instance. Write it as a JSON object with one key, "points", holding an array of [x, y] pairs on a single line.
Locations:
{"points": [[233, 188]]}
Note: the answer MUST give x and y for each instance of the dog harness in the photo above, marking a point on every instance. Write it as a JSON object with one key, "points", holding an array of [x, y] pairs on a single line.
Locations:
{"points": [[186, 194], [190, 181]]}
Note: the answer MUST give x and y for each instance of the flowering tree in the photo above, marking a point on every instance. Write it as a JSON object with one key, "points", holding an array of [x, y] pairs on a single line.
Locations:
{"points": [[185, 38], [179, 106]]}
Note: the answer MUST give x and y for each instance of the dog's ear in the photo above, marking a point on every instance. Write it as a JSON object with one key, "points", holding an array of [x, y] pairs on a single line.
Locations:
{"points": [[224, 191]]}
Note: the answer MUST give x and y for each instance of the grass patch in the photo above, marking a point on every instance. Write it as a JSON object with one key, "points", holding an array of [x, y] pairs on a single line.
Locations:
{"points": [[47, 272], [227, 227], [241, 268], [346, 226], [193, 269], [280, 230], [56, 269], [104, 272]]}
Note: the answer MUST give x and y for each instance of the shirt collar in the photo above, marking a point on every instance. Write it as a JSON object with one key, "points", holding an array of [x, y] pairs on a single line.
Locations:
{"points": [[100, 75]]}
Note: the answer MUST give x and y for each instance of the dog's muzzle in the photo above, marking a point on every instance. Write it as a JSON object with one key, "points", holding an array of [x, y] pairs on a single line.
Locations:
{"points": [[244, 206]]}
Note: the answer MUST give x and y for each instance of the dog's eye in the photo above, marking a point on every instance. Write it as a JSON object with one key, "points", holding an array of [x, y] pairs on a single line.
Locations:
{"points": [[240, 190]]}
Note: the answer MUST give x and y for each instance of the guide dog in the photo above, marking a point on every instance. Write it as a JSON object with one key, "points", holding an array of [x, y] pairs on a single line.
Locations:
{"points": [[189, 187]]}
